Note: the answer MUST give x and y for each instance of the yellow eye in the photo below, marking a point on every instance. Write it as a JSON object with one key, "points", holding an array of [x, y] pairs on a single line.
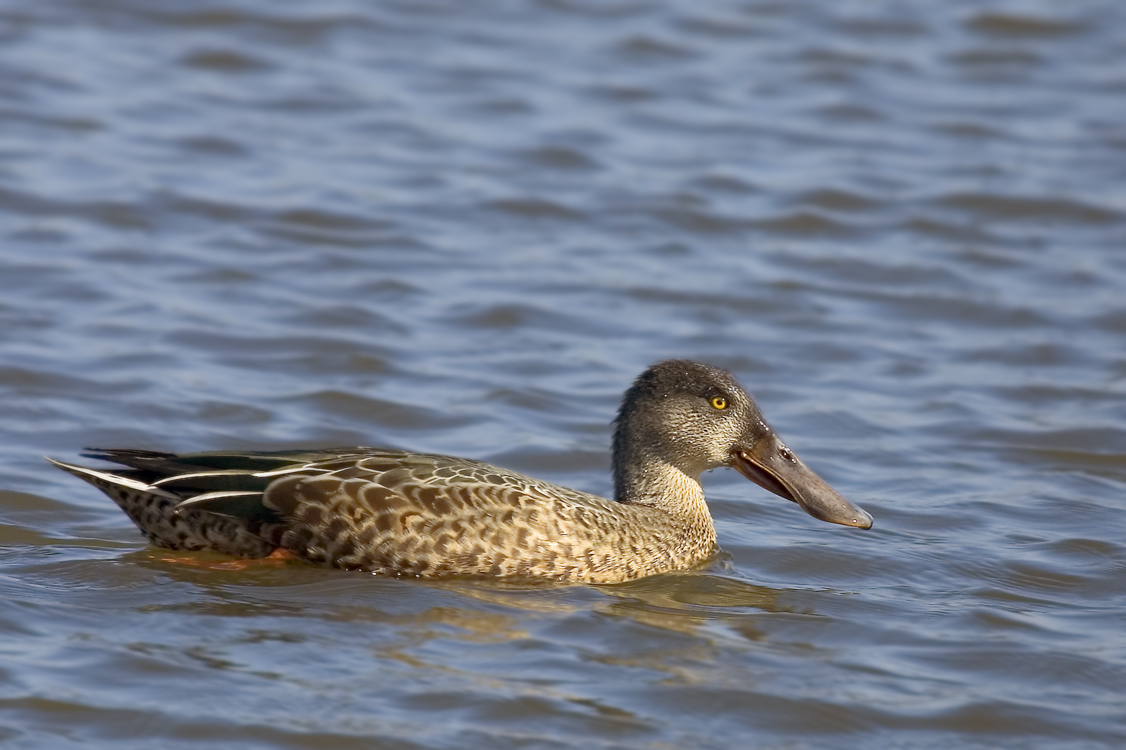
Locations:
{"points": [[719, 402]]}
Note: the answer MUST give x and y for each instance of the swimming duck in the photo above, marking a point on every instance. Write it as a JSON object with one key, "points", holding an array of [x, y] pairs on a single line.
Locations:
{"points": [[432, 516]]}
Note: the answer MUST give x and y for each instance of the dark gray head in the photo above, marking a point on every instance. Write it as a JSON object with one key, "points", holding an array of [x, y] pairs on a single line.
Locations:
{"points": [[694, 417]]}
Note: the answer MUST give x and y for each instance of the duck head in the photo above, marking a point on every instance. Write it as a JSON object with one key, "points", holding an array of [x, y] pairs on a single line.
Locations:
{"points": [[694, 417]]}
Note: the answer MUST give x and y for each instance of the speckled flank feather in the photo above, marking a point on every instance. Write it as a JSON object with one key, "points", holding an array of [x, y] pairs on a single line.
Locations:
{"points": [[436, 516], [399, 513]]}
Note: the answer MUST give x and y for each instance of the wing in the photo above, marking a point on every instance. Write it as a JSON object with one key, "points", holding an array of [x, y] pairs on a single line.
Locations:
{"points": [[433, 516]]}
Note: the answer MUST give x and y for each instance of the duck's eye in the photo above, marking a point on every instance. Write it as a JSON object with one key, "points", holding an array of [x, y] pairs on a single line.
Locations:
{"points": [[719, 402]]}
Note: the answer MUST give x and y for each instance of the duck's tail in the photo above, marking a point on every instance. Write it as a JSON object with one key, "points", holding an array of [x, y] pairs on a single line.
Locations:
{"points": [[213, 512]]}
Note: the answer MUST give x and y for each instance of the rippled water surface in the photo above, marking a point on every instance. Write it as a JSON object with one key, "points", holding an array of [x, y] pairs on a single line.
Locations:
{"points": [[464, 228]]}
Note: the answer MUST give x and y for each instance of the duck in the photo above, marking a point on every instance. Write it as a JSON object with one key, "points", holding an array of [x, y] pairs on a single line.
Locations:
{"points": [[397, 513]]}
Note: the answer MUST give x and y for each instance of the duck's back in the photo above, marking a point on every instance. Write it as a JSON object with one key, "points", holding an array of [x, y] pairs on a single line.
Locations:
{"points": [[397, 513]]}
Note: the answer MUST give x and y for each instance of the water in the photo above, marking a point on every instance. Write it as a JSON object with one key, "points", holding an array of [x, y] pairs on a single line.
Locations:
{"points": [[464, 228]]}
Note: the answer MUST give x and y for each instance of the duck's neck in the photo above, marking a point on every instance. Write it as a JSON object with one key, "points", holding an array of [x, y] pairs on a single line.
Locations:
{"points": [[642, 478]]}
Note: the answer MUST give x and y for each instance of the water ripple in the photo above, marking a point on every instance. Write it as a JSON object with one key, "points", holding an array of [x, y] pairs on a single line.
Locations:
{"points": [[465, 229]]}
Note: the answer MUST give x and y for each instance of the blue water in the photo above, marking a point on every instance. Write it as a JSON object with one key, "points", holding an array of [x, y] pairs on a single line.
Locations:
{"points": [[464, 228]]}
